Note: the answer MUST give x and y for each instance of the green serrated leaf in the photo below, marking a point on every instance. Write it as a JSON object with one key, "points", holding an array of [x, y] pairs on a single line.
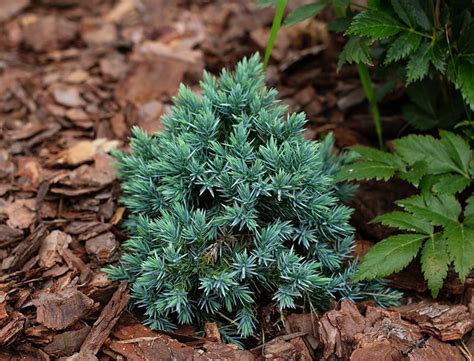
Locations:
{"points": [[419, 63], [303, 12], [425, 94], [376, 4], [400, 7], [404, 221], [465, 81], [415, 173], [389, 256], [458, 150], [434, 262], [440, 210], [373, 154], [461, 248], [451, 184], [466, 42], [365, 170], [339, 25], [412, 13], [469, 211], [403, 46], [356, 50], [426, 184], [375, 25], [415, 148], [418, 118], [437, 55]]}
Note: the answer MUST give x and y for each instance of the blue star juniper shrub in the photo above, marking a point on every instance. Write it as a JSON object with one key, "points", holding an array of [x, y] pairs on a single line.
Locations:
{"points": [[231, 207]]}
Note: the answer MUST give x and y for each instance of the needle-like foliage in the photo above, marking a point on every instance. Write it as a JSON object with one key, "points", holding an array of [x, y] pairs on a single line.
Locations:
{"points": [[231, 206]]}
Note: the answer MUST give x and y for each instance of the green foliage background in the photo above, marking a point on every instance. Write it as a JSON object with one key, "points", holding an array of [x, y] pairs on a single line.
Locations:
{"points": [[438, 222]]}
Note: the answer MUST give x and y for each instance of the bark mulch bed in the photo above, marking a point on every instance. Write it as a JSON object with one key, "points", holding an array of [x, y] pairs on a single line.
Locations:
{"points": [[74, 77]]}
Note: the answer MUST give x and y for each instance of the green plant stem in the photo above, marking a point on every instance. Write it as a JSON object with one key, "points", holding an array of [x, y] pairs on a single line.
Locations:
{"points": [[361, 68], [411, 30], [340, 11], [448, 41], [370, 94], [368, 87], [279, 12]]}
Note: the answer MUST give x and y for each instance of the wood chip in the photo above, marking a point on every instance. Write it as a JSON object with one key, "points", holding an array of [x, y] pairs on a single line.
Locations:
{"points": [[447, 322], [9, 332], [9, 8], [435, 350], [86, 230], [88, 179], [25, 249], [68, 96], [96, 32], [378, 350], [46, 33], [151, 79], [52, 247], [106, 321], [355, 97], [9, 235], [66, 343], [212, 331], [337, 329], [84, 151], [388, 327], [103, 247], [20, 213], [305, 322], [61, 309]]}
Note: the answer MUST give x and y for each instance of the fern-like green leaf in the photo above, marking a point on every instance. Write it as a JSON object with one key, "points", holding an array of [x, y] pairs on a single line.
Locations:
{"points": [[366, 170], [378, 5], [356, 50], [405, 221], [466, 43], [403, 46], [458, 150], [434, 262], [451, 184], [304, 12], [389, 256], [412, 13], [375, 25], [469, 212], [415, 174], [415, 148], [440, 210], [376, 165], [379, 156], [461, 248], [465, 82], [437, 55], [419, 63], [418, 118]]}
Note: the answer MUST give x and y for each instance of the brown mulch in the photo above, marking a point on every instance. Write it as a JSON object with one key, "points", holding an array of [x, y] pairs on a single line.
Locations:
{"points": [[74, 77]]}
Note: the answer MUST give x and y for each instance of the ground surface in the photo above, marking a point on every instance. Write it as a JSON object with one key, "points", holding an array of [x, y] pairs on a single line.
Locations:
{"points": [[74, 77]]}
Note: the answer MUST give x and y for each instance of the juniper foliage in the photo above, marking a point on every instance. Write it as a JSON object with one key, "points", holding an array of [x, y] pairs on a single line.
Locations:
{"points": [[231, 205]]}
